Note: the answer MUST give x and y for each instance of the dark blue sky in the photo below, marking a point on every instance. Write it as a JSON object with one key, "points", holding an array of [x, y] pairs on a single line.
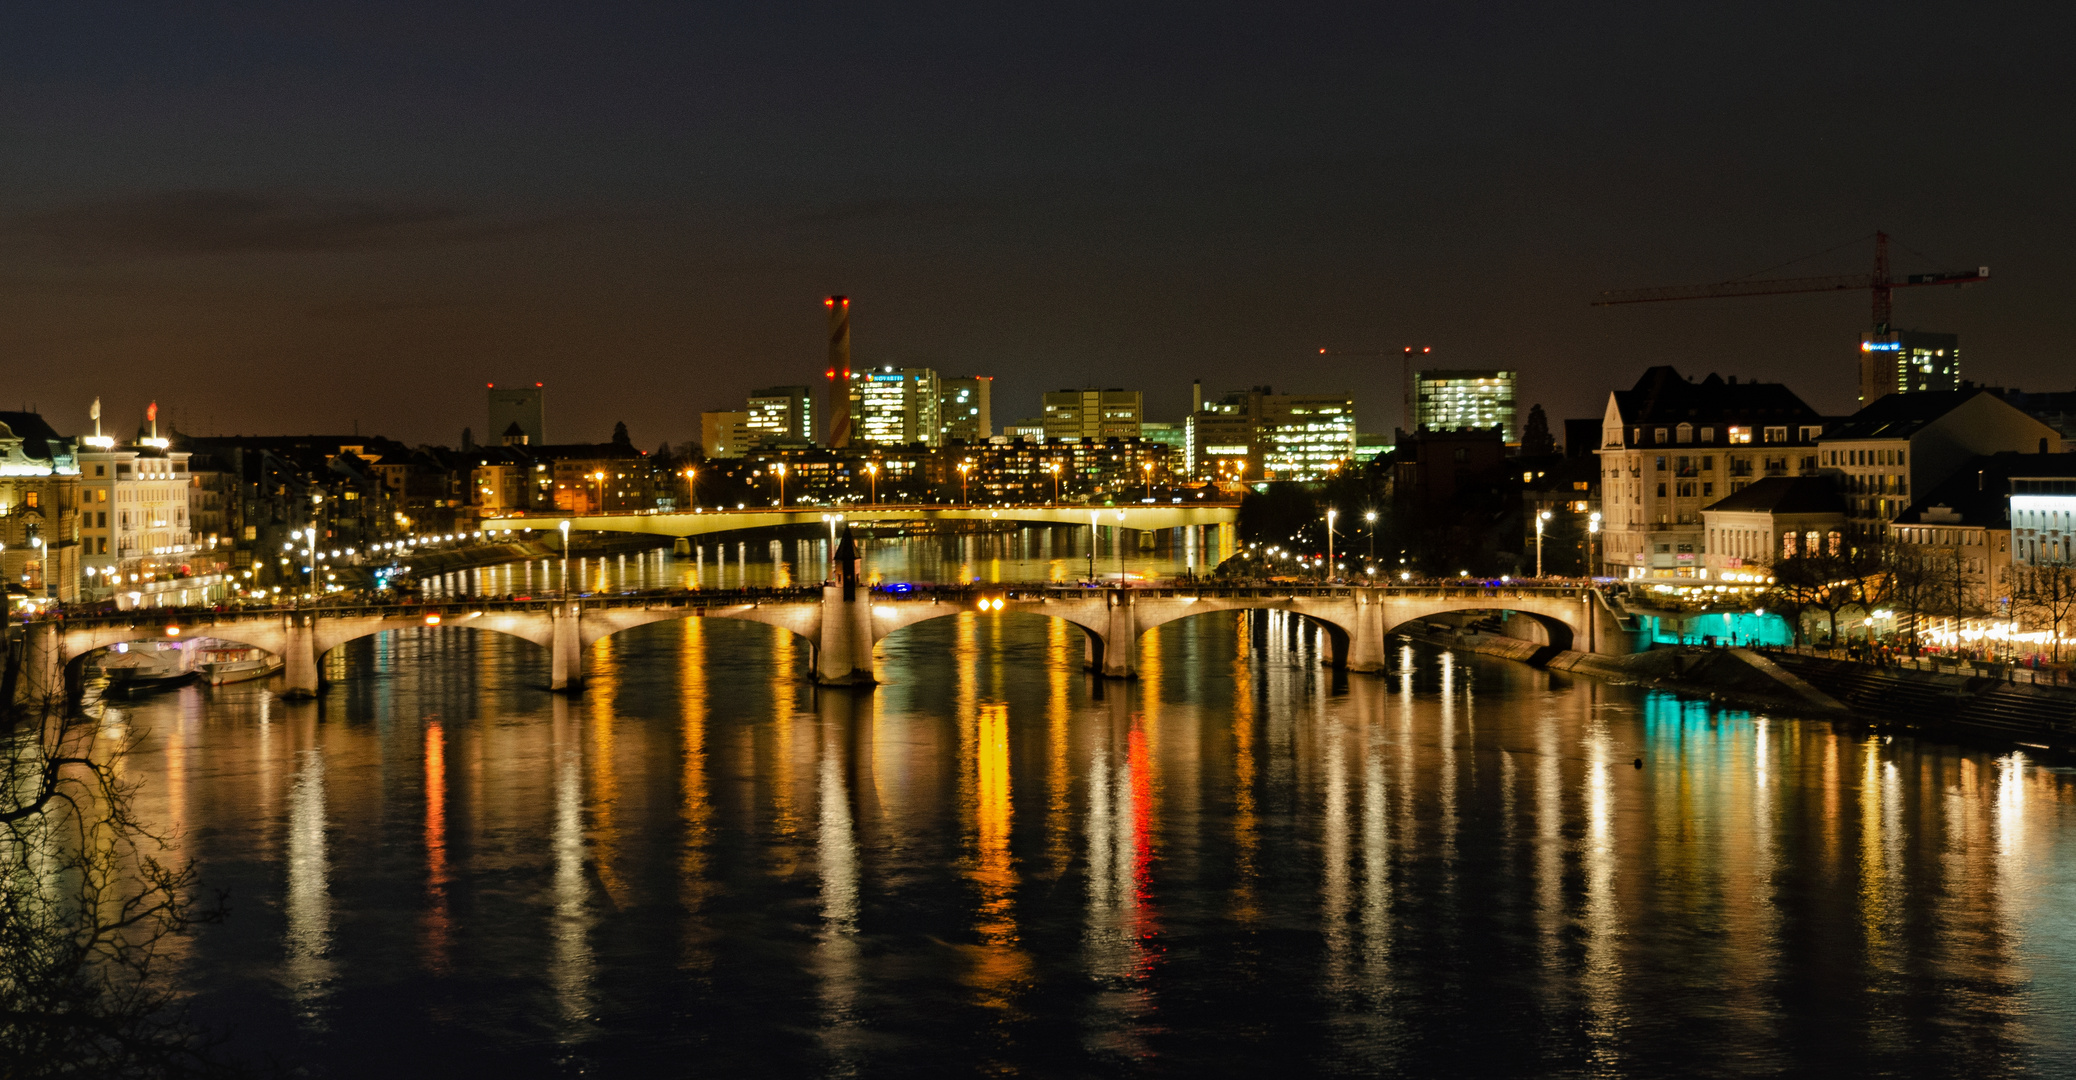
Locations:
{"points": [[291, 218]]}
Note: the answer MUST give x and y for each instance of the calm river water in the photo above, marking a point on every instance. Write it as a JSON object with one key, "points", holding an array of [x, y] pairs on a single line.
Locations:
{"points": [[995, 864]]}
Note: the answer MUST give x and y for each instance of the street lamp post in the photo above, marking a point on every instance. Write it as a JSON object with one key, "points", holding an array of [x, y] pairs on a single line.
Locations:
{"points": [[1330, 516], [1053, 467], [965, 469], [872, 481], [1092, 535], [1120, 549], [600, 477], [1592, 530], [316, 506], [565, 558], [779, 470], [1540, 518], [1146, 467], [1369, 518], [692, 488]]}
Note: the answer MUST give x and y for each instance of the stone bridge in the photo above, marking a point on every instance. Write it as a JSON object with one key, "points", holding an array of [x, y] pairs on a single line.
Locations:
{"points": [[842, 625]]}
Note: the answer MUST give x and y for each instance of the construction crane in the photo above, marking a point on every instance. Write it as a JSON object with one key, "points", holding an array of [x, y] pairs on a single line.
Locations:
{"points": [[1879, 282]]}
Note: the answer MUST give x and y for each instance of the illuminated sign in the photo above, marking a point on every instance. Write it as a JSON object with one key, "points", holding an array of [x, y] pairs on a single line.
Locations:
{"points": [[1881, 346]]}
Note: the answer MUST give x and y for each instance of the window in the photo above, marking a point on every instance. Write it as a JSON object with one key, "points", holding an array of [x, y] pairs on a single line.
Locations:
{"points": [[30, 499], [1777, 434], [1686, 489], [1686, 433], [100, 470], [1708, 434], [1787, 545], [1661, 489], [1900, 456], [1660, 435], [1740, 435], [1661, 462], [1707, 489]]}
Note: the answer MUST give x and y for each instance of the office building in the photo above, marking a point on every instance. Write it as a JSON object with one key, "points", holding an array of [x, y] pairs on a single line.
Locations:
{"points": [[1452, 399], [725, 434], [966, 409], [1904, 445], [519, 405], [1907, 362], [896, 407], [1257, 434], [781, 414], [1306, 436], [1670, 447], [1094, 414]]}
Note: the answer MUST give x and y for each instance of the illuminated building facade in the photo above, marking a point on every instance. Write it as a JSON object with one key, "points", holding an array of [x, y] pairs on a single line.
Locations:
{"points": [[2043, 517], [40, 509], [966, 408], [1094, 414], [896, 407], [778, 414], [1257, 434], [1907, 362], [1448, 400]]}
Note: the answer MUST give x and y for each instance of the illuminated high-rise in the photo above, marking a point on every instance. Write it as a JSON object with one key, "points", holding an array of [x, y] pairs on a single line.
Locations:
{"points": [[895, 407], [966, 409], [1451, 399], [1907, 362]]}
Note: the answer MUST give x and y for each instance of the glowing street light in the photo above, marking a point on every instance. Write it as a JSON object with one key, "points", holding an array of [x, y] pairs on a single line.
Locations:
{"points": [[872, 481], [1540, 520], [1369, 517], [779, 470], [1053, 467], [1330, 516], [1146, 467], [965, 469], [565, 558], [1592, 529]]}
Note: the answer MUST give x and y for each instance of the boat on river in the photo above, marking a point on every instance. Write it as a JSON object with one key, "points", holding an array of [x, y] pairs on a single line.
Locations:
{"points": [[236, 663], [137, 667]]}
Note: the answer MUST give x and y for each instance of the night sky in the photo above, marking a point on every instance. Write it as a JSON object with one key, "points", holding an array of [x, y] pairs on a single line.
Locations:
{"points": [[290, 219]]}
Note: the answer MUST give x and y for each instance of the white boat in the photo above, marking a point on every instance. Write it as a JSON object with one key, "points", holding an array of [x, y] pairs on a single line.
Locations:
{"points": [[236, 663], [135, 666]]}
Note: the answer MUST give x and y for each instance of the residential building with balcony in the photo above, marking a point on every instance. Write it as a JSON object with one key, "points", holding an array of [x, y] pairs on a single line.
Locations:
{"points": [[1669, 447]]}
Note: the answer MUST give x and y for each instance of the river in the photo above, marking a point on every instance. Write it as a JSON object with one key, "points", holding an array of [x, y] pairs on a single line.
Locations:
{"points": [[994, 863]]}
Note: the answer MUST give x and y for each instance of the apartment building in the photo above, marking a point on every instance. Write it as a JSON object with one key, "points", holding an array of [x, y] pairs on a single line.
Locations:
{"points": [[1670, 446]]}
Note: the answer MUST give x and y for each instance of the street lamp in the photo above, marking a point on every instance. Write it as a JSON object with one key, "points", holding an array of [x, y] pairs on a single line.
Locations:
{"points": [[1330, 516], [965, 468], [832, 519], [1120, 549], [1540, 519], [692, 488], [1369, 517], [1092, 534], [600, 477], [1592, 529], [316, 505], [565, 558], [1146, 467], [1053, 467], [872, 480], [779, 470]]}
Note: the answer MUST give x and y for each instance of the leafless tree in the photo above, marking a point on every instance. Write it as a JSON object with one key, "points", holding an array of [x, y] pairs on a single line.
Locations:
{"points": [[86, 910], [2048, 594]]}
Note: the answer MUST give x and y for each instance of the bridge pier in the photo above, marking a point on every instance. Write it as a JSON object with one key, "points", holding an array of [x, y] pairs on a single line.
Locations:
{"points": [[1365, 651], [39, 683], [1120, 645], [843, 655], [299, 662], [566, 648]]}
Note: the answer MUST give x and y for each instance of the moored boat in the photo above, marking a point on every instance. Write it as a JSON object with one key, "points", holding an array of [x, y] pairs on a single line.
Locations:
{"points": [[141, 666], [236, 663]]}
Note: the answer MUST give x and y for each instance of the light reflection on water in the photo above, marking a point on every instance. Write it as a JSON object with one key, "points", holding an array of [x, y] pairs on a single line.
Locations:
{"points": [[1238, 861]]}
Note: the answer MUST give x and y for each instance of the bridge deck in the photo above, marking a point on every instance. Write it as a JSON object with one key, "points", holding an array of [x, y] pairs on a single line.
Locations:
{"points": [[157, 619], [699, 523]]}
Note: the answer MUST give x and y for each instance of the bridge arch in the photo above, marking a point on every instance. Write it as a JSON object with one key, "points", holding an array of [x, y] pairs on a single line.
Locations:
{"points": [[1554, 630]]}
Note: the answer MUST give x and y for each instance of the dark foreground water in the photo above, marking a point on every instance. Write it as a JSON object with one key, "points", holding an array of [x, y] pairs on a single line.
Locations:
{"points": [[993, 864]]}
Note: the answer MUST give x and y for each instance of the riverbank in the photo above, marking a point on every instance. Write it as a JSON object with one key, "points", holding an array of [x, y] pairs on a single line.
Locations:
{"points": [[1954, 707]]}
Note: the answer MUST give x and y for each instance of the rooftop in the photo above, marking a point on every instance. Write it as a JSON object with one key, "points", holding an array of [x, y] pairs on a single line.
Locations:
{"points": [[1784, 495]]}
